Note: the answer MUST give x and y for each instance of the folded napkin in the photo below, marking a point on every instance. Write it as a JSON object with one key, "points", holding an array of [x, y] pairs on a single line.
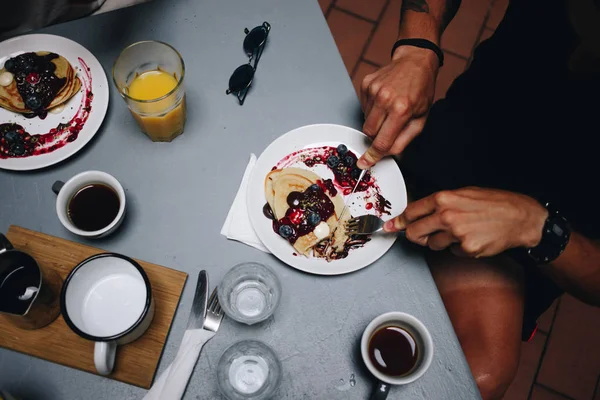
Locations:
{"points": [[237, 225]]}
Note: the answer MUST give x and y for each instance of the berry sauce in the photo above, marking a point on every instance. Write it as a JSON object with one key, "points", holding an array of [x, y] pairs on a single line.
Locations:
{"points": [[16, 142], [36, 82], [313, 200], [345, 172]]}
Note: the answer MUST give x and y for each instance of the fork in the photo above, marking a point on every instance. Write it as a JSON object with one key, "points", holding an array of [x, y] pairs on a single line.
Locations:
{"points": [[173, 381], [214, 313], [364, 225]]}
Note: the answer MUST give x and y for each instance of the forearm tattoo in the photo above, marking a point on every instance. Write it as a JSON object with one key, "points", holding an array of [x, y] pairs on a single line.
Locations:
{"points": [[421, 6]]}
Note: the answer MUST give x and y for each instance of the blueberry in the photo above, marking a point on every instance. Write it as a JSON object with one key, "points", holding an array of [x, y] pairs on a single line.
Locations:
{"points": [[294, 199], [333, 161], [286, 231], [9, 65], [314, 187], [33, 102], [11, 136], [18, 149], [342, 149], [349, 161], [313, 219], [355, 172]]}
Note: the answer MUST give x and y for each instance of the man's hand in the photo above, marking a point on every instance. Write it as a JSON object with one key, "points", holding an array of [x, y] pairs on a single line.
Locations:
{"points": [[396, 100], [473, 222]]}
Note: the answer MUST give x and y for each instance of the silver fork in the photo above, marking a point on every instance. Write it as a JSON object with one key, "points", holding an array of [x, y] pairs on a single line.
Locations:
{"points": [[214, 313], [364, 225]]}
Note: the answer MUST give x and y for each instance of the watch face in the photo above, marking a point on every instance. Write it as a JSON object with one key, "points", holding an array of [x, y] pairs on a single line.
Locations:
{"points": [[557, 230]]}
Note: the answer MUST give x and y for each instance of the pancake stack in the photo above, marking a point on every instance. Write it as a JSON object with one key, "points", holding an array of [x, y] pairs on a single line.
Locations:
{"points": [[41, 81], [280, 183]]}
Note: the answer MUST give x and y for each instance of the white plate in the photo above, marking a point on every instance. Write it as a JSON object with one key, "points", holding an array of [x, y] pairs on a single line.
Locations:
{"points": [[386, 172], [72, 51]]}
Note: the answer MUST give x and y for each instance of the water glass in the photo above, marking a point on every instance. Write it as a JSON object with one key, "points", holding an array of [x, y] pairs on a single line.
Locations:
{"points": [[249, 370], [249, 293]]}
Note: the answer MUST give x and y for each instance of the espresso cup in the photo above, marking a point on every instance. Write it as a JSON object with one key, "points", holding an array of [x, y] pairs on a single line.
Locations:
{"points": [[67, 191], [107, 299], [418, 336]]}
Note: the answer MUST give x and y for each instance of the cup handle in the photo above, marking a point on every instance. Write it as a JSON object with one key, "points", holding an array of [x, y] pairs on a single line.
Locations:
{"points": [[381, 391], [57, 186], [5, 245], [104, 357]]}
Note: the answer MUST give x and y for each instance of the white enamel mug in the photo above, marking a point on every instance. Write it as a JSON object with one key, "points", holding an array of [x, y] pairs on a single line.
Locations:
{"points": [[107, 299], [66, 190]]}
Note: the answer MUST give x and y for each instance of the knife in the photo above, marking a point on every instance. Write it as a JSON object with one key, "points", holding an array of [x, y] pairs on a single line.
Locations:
{"points": [[172, 382], [361, 176]]}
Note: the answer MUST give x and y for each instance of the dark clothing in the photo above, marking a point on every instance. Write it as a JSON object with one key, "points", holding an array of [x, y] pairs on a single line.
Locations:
{"points": [[523, 118]]}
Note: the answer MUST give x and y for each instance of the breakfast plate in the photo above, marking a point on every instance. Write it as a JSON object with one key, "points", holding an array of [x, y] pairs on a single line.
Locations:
{"points": [[297, 149], [63, 133]]}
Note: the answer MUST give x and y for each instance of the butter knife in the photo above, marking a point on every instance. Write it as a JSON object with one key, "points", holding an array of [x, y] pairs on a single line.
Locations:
{"points": [[172, 382]]}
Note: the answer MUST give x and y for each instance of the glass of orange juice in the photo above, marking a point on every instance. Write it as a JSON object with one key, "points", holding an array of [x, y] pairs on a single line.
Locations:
{"points": [[149, 76]]}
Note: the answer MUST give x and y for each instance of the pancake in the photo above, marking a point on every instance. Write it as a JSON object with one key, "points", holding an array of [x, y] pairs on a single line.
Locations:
{"points": [[42, 81], [278, 186]]}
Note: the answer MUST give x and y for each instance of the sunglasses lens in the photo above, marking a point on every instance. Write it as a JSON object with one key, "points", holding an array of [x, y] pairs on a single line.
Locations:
{"points": [[241, 78], [254, 39]]}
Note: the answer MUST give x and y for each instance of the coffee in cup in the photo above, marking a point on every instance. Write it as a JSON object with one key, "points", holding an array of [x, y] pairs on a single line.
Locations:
{"points": [[397, 349], [90, 204]]}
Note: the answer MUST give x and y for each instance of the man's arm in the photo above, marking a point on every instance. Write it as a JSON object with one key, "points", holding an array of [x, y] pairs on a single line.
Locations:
{"points": [[577, 270], [477, 222], [396, 98], [426, 18]]}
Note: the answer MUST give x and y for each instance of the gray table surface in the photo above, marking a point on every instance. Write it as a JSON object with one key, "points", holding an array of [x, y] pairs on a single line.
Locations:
{"points": [[179, 194]]}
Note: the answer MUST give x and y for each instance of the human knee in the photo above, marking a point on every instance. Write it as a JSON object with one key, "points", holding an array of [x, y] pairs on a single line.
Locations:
{"points": [[493, 382]]}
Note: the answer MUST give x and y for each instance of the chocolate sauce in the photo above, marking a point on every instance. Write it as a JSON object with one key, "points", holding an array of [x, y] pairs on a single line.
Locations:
{"points": [[313, 200], [36, 82]]}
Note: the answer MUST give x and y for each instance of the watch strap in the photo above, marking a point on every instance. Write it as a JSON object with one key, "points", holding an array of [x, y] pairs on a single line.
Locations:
{"points": [[555, 237]]}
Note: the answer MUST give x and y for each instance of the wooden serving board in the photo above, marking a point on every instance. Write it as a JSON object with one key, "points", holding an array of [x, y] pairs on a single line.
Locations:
{"points": [[136, 362]]}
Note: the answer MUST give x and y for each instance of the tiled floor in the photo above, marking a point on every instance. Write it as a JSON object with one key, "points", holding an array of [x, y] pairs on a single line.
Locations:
{"points": [[562, 362]]}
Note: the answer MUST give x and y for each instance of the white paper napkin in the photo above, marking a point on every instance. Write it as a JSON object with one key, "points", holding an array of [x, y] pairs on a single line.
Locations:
{"points": [[237, 225]]}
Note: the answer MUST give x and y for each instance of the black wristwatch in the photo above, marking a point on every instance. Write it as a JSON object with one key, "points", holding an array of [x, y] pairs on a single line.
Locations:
{"points": [[555, 237]]}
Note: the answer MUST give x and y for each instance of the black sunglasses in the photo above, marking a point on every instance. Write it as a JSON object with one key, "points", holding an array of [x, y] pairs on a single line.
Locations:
{"points": [[254, 44]]}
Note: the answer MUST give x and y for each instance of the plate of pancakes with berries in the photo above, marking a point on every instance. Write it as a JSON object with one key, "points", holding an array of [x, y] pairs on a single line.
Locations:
{"points": [[53, 99], [298, 189]]}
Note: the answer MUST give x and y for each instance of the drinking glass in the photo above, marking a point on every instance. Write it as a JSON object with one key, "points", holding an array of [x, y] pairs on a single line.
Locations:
{"points": [[249, 370], [163, 118], [249, 293]]}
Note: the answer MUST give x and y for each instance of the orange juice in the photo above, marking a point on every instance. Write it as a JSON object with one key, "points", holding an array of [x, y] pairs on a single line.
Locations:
{"points": [[159, 113]]}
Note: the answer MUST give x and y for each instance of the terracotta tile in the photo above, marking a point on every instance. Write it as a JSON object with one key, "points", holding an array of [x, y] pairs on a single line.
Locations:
{"points": [[453, 67], [528, 365], [369, 9], [540, 393], [350, 34], [362, 70], [545, 320], [385, 36], [496, 13], [461, 35], [486, 34], [325, 5], [571, 364]]}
